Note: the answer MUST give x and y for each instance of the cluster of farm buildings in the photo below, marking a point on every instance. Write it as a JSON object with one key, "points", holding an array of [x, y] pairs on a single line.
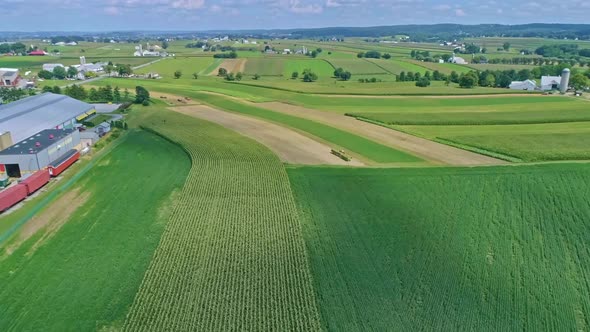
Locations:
{"points": [[548, 83], [40, 137]]}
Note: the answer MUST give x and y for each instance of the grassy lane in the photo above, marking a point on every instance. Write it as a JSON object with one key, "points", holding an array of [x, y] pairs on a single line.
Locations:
{"points": [[481, 249], [232, 256], [85, 276]]}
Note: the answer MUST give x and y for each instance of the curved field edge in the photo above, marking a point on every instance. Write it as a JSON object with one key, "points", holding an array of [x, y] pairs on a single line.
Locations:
{"points": [[232, 256], [85, 276], [494, 248]]}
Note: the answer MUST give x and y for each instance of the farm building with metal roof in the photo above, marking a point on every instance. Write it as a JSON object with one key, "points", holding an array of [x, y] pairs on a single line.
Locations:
{"points": [[38, 151], [27, 117]]}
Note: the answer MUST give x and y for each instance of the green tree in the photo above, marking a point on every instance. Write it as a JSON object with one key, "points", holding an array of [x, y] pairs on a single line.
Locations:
{"points": [[72, 72], [45, 74], [47, 88], [345, 76], [506, 46], [126, 95], [468, 80], [56, 89], [109, 69], [195, 76], [423, 82], [309, 76], [238, 76], [579, 81], [117, 95], [222, 72], [256, 77], [338, 72], [177, 74], [314, 53], [386, 56], [59, 73], [489, 80], [360, 55], [294, 75], [401, 77], [141, 95], [124, 70], [165, 44]]}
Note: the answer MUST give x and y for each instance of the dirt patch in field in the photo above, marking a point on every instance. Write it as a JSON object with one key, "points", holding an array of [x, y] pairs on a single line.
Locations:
{"points": [[172, 100], [429, 150], [290, 146], [231, 65], [50, 219]]}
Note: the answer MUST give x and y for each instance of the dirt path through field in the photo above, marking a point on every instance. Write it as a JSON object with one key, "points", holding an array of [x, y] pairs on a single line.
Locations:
{"points": [[288, 145], [429, 150], [51, 219], [231, 65]]}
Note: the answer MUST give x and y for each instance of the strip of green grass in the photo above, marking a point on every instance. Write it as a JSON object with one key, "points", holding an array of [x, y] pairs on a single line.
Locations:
{"points": [[85, 277]]}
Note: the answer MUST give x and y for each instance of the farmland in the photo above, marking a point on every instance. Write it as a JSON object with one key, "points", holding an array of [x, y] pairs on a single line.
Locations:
{"points": [[357, 66], [268, 66], [448, 249], [85, 275], [187, 65], [229, 204], [232, 242]]}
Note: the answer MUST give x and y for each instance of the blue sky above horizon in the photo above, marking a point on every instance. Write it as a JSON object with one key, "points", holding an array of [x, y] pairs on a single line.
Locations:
{"points": [[109, 15]]}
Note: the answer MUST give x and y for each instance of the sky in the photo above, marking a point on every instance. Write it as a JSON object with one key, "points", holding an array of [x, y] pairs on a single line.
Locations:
{"points": [[195, 15]]}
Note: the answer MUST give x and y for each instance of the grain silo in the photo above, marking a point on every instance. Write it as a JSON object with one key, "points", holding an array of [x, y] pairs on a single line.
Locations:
{"points": [[565, 80]]}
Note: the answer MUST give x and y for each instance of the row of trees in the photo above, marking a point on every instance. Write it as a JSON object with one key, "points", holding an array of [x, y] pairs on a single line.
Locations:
{"points": [[230, 55], [8, 95], [102, 94], [14, 48], [373, 55], [562, 51], [58, 73]]}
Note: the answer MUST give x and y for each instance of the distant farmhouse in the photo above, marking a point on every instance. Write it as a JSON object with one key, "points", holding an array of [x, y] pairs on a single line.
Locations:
{"points": [[10, 78], [151, 50], [457, 60]]}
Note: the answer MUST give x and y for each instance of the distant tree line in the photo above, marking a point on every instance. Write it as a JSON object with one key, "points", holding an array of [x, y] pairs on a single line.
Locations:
{"points": [[230, 55], [18, 48], [562, 51], [8, 95], [373, 55], [102, 94]]}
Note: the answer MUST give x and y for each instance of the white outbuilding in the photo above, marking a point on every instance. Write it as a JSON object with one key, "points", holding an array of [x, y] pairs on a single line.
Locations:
{"points": [[528, 85]]}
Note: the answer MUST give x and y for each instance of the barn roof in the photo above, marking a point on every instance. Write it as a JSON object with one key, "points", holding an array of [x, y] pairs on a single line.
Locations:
{"points": [[27, 117]]}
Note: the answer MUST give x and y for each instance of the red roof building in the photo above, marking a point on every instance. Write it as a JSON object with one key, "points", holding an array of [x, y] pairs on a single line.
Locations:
{"points": [[37, 52]]}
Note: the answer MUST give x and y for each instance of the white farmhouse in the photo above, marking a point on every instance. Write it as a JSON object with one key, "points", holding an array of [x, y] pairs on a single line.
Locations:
{"points": [[457, 60], [528, 85], [52, 66]]}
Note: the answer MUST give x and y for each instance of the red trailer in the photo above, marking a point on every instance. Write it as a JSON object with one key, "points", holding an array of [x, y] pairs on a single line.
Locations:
{"points": [[61, 164], [11, 196], [36, 181]]}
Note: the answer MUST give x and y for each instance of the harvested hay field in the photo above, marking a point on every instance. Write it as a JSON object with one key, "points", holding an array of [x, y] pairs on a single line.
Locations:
{"points": [[231, 65], [289, 145], [429, 150]]}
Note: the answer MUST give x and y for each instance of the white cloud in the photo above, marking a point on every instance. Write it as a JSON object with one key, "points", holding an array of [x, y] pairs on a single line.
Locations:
{"points": [[112, 10], [459, 12], [188, 4]]}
